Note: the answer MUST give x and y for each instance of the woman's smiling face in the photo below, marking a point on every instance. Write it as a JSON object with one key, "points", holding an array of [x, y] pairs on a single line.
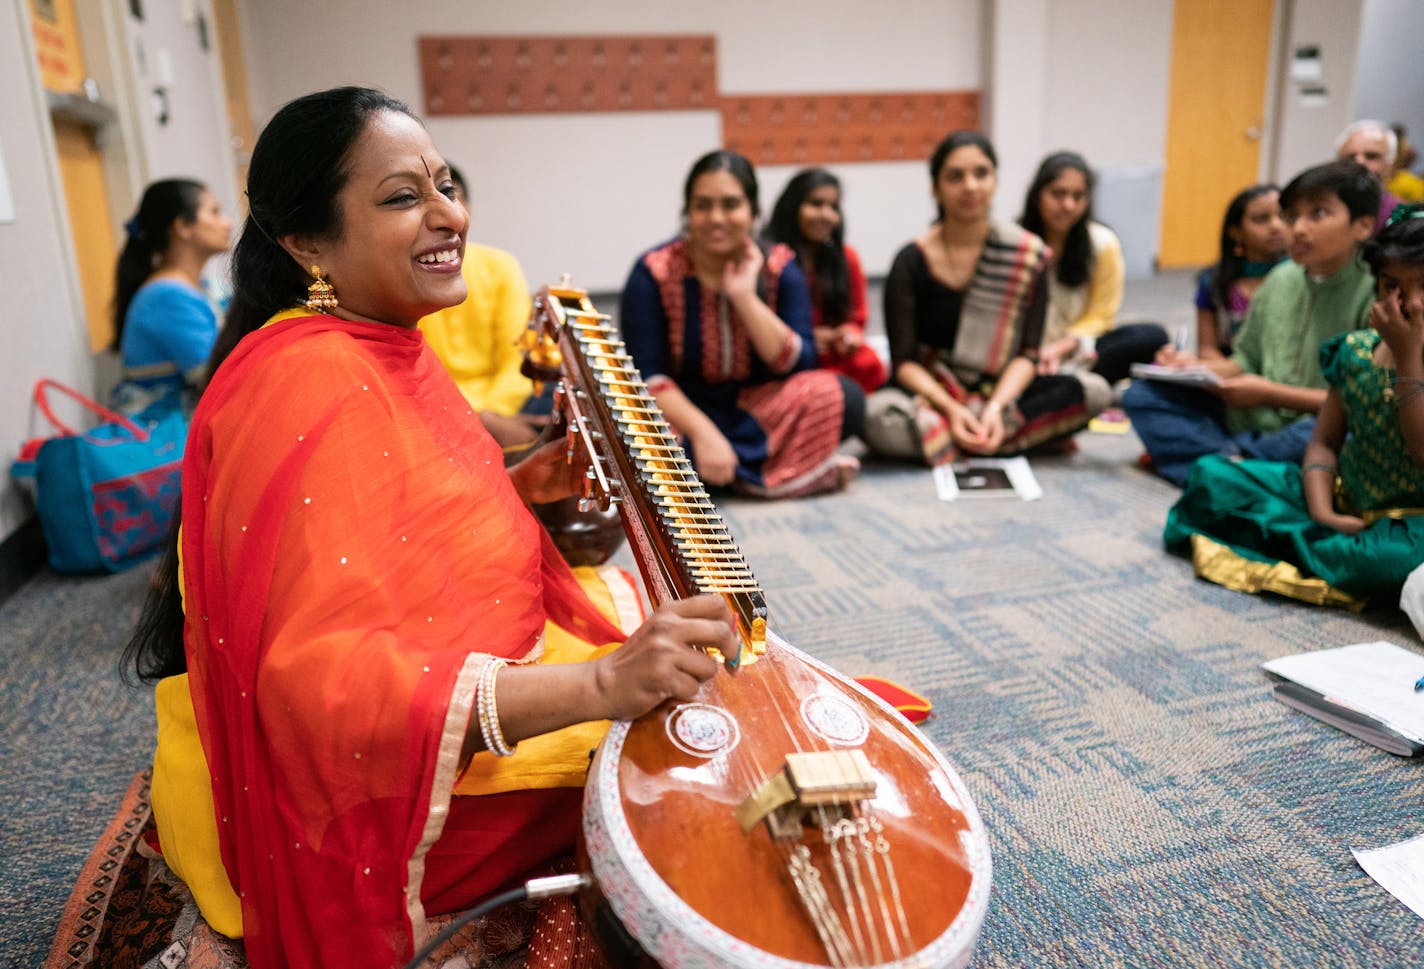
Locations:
{"points": [[820, 213], [719, 215], [401, 239]]}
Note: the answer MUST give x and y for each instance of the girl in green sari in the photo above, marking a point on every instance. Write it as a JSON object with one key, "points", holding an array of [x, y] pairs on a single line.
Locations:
{"points": [[1348, 523]]}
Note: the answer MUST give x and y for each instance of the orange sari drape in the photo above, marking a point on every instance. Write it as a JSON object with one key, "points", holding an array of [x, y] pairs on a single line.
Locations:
{"points": [[352, 551]]}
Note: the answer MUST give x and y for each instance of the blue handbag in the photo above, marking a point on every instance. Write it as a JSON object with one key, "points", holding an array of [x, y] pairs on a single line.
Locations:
{"points": [[105, 498]]}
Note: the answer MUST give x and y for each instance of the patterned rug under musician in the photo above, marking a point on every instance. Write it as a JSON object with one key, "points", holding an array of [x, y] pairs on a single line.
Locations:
{"points": [[127, 909]]}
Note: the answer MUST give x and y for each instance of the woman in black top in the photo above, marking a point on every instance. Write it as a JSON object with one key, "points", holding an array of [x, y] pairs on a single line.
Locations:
{"points": [[964, 311]]}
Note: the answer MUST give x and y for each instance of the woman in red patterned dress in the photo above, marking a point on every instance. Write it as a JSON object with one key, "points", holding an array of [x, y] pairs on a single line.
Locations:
{"points": [[721, 331]]}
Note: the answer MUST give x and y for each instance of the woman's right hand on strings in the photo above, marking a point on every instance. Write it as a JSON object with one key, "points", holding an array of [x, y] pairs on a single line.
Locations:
{"points": [[714, 458], [664, 658]]}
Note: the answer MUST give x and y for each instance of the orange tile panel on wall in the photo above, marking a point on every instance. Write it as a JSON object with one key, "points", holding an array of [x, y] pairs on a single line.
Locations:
{"points": [[552, 74], [804, 129]]}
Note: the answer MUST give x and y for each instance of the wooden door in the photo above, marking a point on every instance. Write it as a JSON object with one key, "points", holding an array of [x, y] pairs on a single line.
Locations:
{"points": [[234, 72], [86, 196], [1221, 53], [81, 166]]}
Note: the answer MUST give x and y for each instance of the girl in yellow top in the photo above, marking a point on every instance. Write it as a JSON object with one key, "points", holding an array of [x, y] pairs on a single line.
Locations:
{"points": [[1080, 333]]}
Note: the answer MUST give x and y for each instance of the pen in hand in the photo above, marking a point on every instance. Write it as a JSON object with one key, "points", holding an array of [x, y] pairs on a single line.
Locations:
{"points": [[1419, 684]]}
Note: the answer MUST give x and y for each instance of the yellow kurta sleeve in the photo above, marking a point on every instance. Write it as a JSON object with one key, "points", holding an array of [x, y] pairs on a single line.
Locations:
{"points": [[477, 340], [183, 808], [1105, 286]]}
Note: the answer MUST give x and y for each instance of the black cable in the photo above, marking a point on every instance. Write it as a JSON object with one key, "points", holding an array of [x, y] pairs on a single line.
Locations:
{"points": [[534, 888], [464, 918]]}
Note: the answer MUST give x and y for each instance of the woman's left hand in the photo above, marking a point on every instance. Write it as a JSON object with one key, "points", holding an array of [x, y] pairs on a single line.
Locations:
{"points": [[847, 339], [1052, 356], [509, 431], [739, 275], [546, 474]]}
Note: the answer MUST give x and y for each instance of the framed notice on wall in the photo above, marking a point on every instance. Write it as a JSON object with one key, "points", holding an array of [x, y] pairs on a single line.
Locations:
{"points": [[7, 200], [57, 46]]}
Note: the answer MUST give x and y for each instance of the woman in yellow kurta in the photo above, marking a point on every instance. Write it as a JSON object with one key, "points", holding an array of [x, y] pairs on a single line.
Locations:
{"points": [[1081, 334]]}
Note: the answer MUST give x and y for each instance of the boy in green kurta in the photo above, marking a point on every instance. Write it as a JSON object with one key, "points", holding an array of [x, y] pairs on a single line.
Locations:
{"points": [[1347, 525], [1271, 387]]}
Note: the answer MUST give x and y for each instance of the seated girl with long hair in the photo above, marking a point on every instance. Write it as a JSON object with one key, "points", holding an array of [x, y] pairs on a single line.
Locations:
{"points": [[164, 322], [721, 331], [807, 217], [964, 312], [1252, 243], [1085, 284]]}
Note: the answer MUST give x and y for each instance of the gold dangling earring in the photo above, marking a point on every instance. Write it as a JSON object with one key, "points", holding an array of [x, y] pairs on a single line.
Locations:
{"points": [[321, 295]]}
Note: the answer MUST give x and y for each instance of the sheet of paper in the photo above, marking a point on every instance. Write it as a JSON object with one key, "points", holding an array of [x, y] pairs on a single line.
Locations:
{"points": [[1021, 474], [1399, 869], [963, 478], [1375, 678]]}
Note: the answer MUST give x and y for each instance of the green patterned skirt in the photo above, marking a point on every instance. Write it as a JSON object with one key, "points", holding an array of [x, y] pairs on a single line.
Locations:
{"points": [[1246, 526]]}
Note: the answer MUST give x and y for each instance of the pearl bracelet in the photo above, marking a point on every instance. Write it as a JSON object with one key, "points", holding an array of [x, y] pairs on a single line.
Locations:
{"points": [[487, 711]]}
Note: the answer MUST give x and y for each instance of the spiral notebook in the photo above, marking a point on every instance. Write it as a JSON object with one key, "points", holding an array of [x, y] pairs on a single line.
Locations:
{"points": [[1191, 376], [1366, 690]]}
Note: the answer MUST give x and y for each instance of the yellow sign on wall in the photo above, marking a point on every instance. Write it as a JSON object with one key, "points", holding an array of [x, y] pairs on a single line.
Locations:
{"points": [[57, 44]]}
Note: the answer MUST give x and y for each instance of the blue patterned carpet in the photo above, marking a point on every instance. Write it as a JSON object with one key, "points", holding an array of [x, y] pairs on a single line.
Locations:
{"points": [[1148, 803]]}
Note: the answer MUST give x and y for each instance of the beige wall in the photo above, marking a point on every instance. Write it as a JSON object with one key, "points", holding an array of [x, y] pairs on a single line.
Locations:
{"points": [[1383, 93], [41, 320], [1076, 75], [164, 51], [1306, 131], [585, 194]]}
